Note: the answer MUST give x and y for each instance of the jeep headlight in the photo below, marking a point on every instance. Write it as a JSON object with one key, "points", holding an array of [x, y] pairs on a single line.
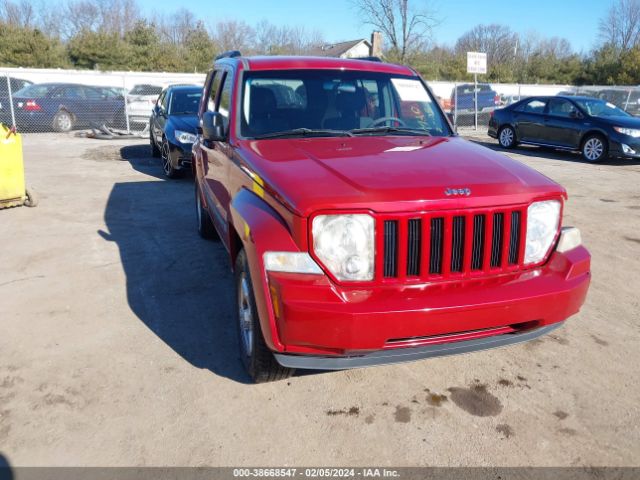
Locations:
{"points": [[345, 244], [185, 137], [543, 219]]}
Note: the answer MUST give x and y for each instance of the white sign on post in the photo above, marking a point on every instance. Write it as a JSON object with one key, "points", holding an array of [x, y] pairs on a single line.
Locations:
{"points": [[477, 62]]}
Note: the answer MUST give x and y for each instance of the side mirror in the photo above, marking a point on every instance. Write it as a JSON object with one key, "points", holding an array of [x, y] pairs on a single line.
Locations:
{"points": [[213, 127], [575, 114]]}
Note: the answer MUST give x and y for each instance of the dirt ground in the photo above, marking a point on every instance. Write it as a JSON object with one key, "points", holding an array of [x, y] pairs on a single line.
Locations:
{"points": [[117, 345]]}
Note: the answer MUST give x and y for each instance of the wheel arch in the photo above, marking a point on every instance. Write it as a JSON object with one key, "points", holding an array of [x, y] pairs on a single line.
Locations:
{"points": [[257, 228], [594, 131]]}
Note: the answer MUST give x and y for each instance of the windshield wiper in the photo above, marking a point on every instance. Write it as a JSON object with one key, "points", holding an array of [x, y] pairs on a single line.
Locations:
{"points": [[306, 132], [401, 130]]}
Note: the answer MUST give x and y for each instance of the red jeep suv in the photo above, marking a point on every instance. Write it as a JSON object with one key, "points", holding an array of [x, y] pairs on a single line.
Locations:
{"points": [[362, 230]]}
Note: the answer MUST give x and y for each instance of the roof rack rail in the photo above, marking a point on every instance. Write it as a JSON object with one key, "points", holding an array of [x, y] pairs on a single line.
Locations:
{"points": [[229, 54], [369, 59]]}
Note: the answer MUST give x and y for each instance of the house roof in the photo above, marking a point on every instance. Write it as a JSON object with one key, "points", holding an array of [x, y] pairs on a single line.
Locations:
{"points": [[336, 49]]}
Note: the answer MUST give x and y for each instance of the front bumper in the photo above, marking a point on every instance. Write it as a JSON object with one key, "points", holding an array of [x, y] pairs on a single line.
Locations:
{"points": [[624, 146], [331, 326], [402, 355], [181, 155]]}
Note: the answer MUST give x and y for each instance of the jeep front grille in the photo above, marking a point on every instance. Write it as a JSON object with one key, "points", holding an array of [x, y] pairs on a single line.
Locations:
{"points": [[450, 244]]}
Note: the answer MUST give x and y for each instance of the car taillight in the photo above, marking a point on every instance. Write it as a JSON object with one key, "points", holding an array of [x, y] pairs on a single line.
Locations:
{"points": [[32, 106]]}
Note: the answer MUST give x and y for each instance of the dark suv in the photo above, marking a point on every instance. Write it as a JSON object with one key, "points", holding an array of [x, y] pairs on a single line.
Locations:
{"points": [[361, 229]]}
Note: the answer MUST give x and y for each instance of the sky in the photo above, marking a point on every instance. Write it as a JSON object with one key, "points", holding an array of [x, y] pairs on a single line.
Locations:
{"points": [[338, 20]]}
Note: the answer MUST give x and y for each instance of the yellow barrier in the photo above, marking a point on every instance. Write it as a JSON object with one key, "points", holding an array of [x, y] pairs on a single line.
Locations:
{"points": [[12, 187]]}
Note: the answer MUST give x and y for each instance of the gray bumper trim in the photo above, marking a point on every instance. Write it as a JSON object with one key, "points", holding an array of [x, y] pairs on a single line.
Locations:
{"points": [[383, 357]]}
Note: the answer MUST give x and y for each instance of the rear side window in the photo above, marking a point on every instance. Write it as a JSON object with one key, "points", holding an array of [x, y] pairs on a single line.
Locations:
{"points": [[532, 106], [561, 107], [225, 96], [35, 91], [213, 91]]}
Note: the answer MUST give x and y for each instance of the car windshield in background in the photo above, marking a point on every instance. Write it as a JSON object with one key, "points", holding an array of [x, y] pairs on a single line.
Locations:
{"points": [[600, 108], [35, 91], [185, 102], [332, 103], [145, 90]]}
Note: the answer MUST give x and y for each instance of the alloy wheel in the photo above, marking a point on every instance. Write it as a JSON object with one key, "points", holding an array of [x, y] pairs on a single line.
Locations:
{"points": [[506, 137], [593, 149], [245, 315], [166, 158]]}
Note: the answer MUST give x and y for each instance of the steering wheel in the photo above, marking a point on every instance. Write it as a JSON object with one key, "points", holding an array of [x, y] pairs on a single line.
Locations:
{"points": [[387, 119]]}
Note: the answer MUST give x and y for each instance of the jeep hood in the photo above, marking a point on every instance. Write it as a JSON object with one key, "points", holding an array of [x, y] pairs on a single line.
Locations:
{"points": [[390, 173]]}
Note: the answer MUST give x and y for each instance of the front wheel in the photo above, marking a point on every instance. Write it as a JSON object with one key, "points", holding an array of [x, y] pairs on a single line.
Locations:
{"points": [[594, 148], [507, 137], [167, 166], [258, 360]]}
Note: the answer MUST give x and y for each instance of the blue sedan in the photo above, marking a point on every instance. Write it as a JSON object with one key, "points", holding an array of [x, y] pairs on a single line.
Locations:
{"points": [[173, 127], [65, 106]]}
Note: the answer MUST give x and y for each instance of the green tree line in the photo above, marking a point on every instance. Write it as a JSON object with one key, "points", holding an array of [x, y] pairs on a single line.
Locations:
{"points": [[113, 35]]}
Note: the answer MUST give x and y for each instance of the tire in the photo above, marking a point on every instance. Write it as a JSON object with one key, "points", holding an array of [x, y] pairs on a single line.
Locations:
{"points": [[165, 155], [62, 121], [258, 360], [205, 225], [594, 148], [155, 151], [32, 198], [507, 137]]}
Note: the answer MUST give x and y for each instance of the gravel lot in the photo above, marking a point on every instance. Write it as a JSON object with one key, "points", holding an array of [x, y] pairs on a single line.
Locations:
{"points": [[118, 348]]}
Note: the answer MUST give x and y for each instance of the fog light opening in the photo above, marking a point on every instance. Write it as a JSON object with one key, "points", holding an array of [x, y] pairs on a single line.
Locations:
{"points": [[628, 150]]}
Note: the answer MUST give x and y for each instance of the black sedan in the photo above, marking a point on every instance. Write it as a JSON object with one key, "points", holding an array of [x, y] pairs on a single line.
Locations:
{"points": [[173, 127], [594, 127]]}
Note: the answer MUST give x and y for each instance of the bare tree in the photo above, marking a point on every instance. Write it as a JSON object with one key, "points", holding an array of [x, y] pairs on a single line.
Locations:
{"points": [[17, 13], [620, 28], [175, 27], [405, 29], [233, 35], [497, 41], [271, 39], [108, 16]]}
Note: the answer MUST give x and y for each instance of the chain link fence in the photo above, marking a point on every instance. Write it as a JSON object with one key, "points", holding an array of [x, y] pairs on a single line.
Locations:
{"points": [[36, 100], [458, 99], [63, 100]]}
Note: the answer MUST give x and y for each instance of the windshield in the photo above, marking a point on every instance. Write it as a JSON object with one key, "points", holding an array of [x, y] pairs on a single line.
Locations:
{"points": [[600, 108], [330, 103], [145, 90], [185, 102], [35, 91]]}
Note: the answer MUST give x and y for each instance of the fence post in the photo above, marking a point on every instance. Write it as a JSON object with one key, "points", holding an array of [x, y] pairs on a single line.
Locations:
{"points": [[626, 104], [475, 99], [13, 113], [126, 101], [455, 105]]}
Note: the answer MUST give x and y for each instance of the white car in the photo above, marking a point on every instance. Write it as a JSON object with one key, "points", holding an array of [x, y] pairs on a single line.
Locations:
{"points": [[140, 101]]}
